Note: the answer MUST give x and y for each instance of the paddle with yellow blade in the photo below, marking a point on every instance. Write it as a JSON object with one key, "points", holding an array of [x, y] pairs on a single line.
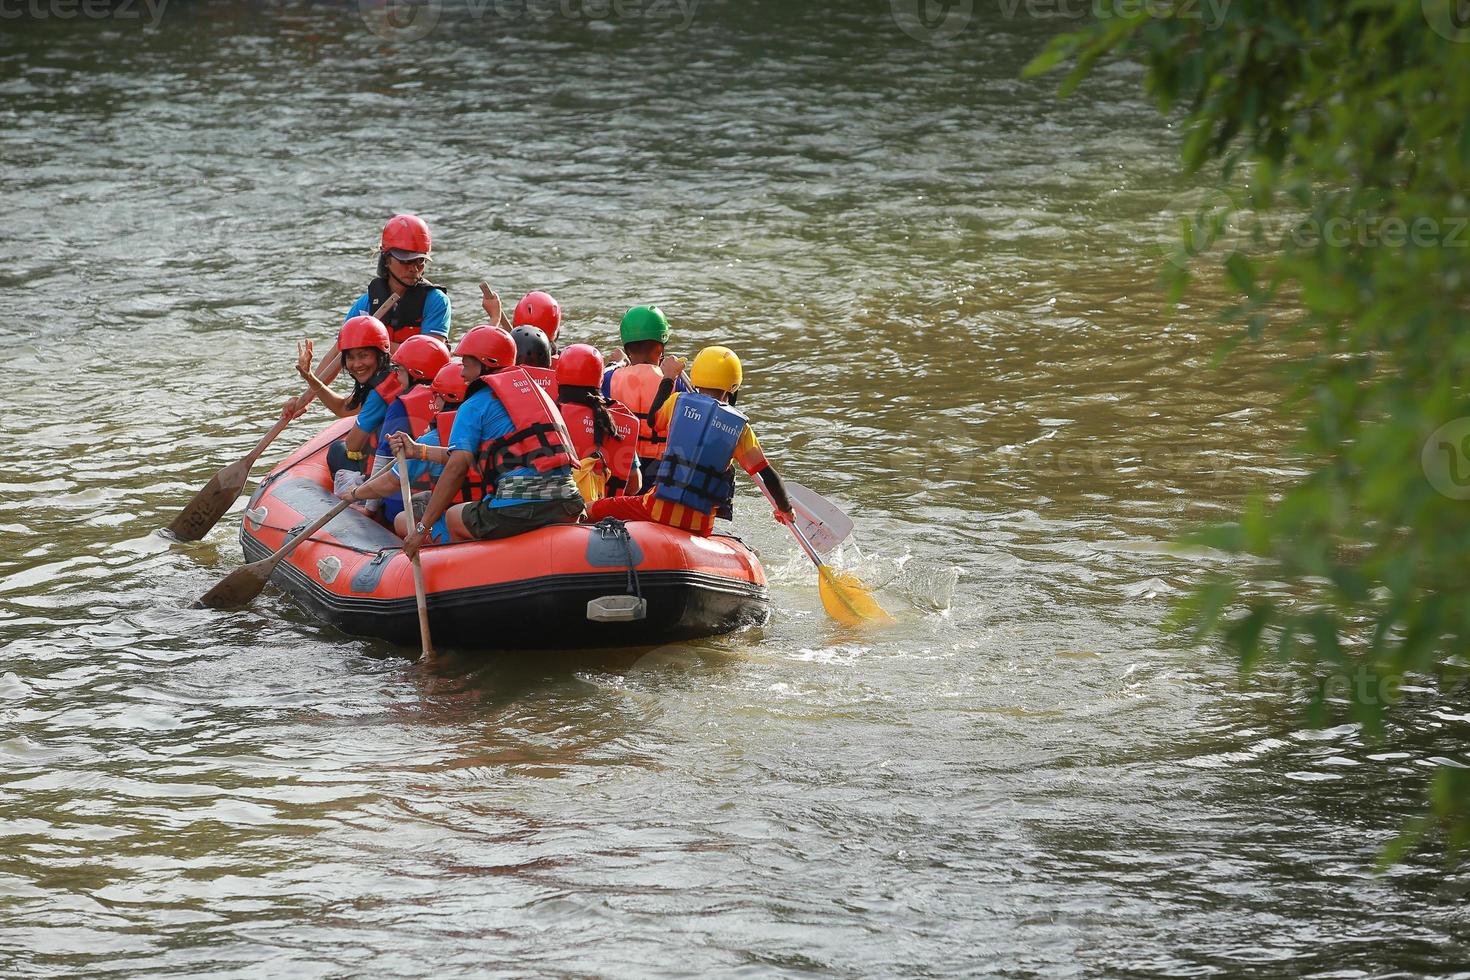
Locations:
{"points": [[211, 503], [844, 595]]}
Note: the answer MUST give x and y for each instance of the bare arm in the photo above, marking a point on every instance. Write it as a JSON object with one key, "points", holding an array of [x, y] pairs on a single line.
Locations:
{"points": [[445, 489], [335, 403], [490, 303], [357, 441]]}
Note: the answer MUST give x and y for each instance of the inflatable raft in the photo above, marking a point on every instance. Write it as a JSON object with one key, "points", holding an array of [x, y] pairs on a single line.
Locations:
{"points": [[567, 587]]}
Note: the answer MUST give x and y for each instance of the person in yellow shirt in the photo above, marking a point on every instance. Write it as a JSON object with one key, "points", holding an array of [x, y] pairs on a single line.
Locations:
{"points": [[706, 436]]}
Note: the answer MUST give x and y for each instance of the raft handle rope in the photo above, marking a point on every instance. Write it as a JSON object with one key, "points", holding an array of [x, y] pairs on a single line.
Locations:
{"points": [[619, 608]]}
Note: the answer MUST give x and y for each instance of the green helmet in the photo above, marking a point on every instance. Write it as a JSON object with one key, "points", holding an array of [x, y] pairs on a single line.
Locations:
{"points": [[644, 323]]}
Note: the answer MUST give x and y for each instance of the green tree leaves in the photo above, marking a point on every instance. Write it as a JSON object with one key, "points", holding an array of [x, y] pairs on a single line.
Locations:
{"points": [[1340, 131]]}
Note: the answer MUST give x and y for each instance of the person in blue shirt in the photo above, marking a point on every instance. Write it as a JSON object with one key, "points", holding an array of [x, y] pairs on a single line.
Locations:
{"points": [[514, 432], [364, 344], [422, 307], [415, 364], [424, 456]]}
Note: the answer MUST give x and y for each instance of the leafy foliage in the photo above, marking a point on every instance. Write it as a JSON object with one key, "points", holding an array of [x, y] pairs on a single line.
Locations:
{"points": [[1340, 131]]}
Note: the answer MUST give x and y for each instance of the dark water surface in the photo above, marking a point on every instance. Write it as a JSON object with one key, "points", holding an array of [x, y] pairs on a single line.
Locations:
{"points": [[941, 281]]}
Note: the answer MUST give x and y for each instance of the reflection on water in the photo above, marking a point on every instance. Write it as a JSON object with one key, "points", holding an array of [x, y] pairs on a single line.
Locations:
{"points": [[941, 281]]}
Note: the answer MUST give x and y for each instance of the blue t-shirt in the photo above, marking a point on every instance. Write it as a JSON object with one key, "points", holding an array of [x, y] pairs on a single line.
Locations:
{"points": [[370, 418], [394, 420], [436, 313], [481, 418]]}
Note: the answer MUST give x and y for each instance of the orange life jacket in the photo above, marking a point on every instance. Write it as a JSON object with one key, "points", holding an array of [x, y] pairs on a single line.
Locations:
{"points": [[635, 385]]}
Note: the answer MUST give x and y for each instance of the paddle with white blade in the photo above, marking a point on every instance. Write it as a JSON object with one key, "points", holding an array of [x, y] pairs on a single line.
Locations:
{"points": [[844, 596], [822, 521]]}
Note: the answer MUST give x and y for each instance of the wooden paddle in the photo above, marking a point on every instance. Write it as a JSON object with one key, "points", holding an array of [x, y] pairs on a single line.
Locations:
{"points": [[844, 595], [211, 503], [245, 582], [418, 570]]}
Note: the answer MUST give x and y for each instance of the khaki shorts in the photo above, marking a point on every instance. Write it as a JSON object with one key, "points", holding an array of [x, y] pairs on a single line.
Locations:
{"points": [[487, 523]]}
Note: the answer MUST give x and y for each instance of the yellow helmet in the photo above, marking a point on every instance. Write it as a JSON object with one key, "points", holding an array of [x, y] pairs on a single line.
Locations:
{"points": [[716, 367]]}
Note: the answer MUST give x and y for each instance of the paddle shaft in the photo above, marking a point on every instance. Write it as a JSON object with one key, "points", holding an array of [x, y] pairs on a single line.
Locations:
{"points": [[418, 570], [801, 538], [311, 529], [335, 364]]}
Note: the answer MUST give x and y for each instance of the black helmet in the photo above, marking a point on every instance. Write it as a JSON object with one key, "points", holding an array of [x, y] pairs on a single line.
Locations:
{"points": [[532, 347]]}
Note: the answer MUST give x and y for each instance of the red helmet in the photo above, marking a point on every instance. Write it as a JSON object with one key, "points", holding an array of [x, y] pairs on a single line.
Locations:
{"points": [[408, 236], [580, 366], [538, 309], [449, 383], [489, 345], [421, 356], [363, 331]]}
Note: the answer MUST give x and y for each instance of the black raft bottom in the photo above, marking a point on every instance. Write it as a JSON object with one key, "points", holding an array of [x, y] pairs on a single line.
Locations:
{"points": [[537, 614]]}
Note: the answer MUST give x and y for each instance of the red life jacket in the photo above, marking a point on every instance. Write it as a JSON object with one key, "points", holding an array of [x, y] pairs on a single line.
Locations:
{"points": [[539, 437], [635, 385], [546, 378], [618, 453], [473, 486]]}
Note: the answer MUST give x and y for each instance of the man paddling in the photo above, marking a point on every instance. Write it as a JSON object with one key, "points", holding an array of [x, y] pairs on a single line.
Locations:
{"points": [[514, 431], [705, 437]]}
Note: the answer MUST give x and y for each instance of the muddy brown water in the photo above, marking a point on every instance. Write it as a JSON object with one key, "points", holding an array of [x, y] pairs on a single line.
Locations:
{"points": [[941, 280]]}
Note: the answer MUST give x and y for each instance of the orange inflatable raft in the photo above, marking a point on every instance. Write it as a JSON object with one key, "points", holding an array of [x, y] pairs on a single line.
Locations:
{"points": [[568, 587]]}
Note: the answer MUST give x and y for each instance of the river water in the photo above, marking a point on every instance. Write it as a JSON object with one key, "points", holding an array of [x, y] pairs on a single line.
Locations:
{"points": [[942, 282]]}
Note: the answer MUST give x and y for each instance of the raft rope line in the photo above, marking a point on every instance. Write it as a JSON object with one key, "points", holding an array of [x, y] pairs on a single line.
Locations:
{"points": [[611, 527]]}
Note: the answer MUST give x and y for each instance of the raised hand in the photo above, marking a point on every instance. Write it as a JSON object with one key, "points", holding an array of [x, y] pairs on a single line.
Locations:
{"points": [[672, 366], [304, 351], [490, 303]]}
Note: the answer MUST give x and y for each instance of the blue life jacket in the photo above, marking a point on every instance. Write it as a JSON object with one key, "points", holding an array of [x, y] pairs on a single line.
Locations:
{"points": [[695, 469]]}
